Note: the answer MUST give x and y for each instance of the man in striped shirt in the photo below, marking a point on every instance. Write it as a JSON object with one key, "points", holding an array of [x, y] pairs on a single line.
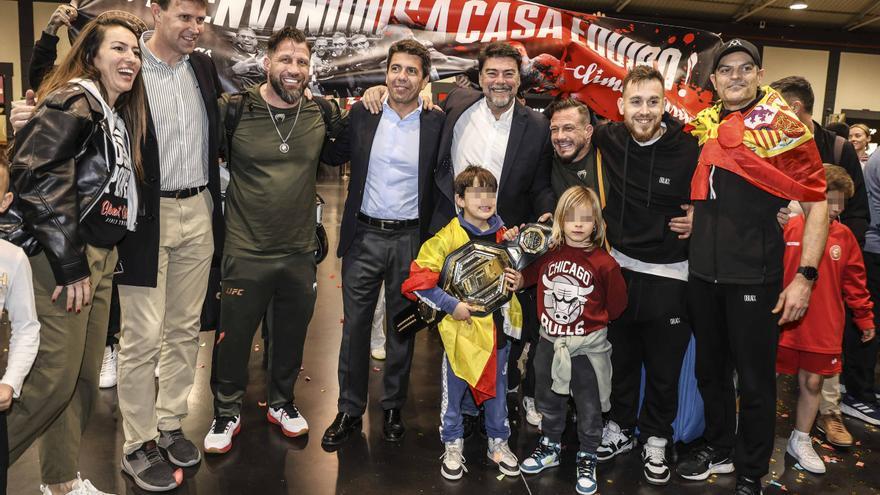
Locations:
{"points": [[164, 265]]}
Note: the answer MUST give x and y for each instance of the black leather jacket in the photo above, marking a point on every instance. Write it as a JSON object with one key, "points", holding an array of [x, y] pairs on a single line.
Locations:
{"points": [[58, 172]]}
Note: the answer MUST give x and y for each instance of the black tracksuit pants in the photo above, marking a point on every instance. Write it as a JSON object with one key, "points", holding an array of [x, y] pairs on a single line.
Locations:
{"points": [[735, 330], [4, 452], [248, 286], [859, 358], [653, 332]]}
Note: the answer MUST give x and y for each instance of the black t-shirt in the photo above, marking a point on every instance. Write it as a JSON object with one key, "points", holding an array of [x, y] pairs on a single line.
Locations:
{"points": [[105, 223]]}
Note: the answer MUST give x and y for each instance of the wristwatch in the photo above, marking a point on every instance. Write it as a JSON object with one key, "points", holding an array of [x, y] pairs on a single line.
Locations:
{"points": [[809, 272]]}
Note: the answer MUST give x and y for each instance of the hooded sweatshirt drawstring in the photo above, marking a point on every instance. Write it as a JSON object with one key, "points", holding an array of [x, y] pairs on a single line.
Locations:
{"points": [[650, 173]]}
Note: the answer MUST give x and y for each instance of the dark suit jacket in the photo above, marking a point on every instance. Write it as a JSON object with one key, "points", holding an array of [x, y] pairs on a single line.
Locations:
{"points": [[139, 251], [524, 191], [362, 128]]}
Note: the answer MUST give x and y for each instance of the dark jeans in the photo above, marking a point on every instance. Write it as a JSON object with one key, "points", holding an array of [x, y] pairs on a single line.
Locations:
{"points": [[860, 358], [553, 406], [653, 332], [248, 287], [735, 330], [375, 256]]}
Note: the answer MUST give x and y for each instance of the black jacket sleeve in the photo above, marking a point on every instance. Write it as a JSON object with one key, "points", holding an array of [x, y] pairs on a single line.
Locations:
{"points": [[856, 215], [541, 192], [337, 144], [44, 175], [42, 59]]}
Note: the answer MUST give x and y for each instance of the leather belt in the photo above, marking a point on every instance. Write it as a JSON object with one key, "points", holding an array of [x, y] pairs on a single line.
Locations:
{"points": [[387, 224], [182, 193]]}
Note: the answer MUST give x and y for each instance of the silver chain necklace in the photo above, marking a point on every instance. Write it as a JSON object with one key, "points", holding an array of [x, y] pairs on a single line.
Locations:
{"points": [[283, 147]]}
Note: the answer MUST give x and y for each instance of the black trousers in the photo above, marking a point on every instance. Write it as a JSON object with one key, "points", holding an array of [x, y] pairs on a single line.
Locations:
{"points": [[554, 407], [735, 330], [653, 332], [375, 256], [248, 286], [113, 327], [859, 358], [530, 334]]}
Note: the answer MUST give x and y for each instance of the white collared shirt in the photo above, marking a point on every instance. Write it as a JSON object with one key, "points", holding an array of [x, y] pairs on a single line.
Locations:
{"points": [[17, 297], [481, 139]]}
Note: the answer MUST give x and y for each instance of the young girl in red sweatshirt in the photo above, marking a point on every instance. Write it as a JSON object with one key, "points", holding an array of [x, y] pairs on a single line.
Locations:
{"points": [[580, 290], [810, 347]]}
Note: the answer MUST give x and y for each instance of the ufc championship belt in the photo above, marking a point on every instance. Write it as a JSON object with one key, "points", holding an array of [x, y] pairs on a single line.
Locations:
{"points": [[474, 274]]}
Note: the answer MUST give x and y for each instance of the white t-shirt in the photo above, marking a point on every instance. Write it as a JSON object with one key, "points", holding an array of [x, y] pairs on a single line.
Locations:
{"points": [[17, 297]]}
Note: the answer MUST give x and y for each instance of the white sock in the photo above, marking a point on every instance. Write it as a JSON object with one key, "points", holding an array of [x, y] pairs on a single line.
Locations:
{"points": [[800, 435]]}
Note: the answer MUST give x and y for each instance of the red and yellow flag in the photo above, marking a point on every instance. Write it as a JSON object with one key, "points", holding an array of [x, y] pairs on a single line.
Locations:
{"points": [[767, 146]]}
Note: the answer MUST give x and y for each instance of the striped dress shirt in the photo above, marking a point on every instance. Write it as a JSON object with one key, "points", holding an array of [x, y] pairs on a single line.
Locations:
{"points": [[180, 119]]}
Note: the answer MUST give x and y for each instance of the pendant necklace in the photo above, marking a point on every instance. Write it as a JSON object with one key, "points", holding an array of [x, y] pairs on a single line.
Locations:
{"points": [[283, 147]]}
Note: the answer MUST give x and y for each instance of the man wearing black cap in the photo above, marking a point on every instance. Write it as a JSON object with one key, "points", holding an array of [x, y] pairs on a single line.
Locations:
{"points": [[756, 156]]}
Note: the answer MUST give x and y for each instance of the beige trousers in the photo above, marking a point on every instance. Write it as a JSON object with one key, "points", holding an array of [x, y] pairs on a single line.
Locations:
{"points": [[830, 397], [160, 326]]}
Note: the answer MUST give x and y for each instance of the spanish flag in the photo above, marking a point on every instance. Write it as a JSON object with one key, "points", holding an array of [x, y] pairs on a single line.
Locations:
{"points": [[470, 348], [766, 145]]}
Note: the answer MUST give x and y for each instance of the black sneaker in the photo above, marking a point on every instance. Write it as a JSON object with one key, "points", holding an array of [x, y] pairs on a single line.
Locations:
{"points": [[178, 449], [656, 470], [150, 470], [747, 486], [703, 462]]}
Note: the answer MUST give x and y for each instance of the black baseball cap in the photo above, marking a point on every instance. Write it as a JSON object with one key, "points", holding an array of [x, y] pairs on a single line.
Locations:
{"points": [[738, 45]]}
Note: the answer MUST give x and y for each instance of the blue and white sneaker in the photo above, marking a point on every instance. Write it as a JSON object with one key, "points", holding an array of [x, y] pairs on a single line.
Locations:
{"points": [[546, 455], [586, 474], [854, 408]]}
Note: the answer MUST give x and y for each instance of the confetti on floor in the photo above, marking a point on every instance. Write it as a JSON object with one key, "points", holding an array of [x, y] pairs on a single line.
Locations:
{"points": [[261, 403], [860, 464]]}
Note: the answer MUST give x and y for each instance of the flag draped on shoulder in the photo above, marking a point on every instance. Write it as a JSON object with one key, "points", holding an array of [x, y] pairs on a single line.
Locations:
{"points": [[470, 347], [767, 145]]}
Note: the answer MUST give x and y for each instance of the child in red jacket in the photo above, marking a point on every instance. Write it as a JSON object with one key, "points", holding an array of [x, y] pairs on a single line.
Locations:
{"points": [[810, 348]]}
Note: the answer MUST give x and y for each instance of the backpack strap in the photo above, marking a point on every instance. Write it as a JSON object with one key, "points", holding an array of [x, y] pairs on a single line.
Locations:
{"points": [[234, 109], [838, 148]]}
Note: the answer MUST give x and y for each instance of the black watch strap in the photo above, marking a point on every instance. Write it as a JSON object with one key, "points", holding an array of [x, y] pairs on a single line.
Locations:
{"points": [[810, 273]]}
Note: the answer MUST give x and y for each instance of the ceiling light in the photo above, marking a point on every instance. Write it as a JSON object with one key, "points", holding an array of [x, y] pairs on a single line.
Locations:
{"points": [[798, 5]]}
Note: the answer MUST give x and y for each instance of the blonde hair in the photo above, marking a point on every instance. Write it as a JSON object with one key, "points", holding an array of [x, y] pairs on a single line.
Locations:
{"points": [[572, 198], [864, 128]]}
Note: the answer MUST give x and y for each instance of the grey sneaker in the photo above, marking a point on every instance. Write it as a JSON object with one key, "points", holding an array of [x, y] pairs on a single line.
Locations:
{"points": [[178, 449], [150, 471]]}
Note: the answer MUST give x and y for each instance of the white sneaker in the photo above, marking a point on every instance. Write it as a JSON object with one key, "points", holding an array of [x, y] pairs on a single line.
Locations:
{"points": [[80, 487], [219, 437], [289, 419], [615, 441], [654, 465], [533, 417], [499, 452], [378, 353], [453, 467], [800, 446], [108, 367]]}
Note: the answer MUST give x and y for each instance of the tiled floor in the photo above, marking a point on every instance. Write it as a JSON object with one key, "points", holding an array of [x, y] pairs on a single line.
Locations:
{"points": [[264, 462]]}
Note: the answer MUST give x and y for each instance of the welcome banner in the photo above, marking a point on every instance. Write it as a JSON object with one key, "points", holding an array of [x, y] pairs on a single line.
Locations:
{"points": [[564, 52]]}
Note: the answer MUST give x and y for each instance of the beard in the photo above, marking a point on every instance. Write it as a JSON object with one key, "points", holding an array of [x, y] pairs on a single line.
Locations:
{"points": [[567, 159], [500, 101], [291, 97], [638, 132]]}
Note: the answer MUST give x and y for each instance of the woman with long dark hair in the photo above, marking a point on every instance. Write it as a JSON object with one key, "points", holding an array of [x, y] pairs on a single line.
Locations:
{"points": [[75, 172]]}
